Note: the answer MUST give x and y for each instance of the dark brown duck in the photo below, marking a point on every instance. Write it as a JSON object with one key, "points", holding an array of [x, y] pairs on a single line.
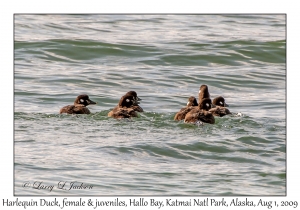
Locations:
{"points": [[191, 104], [136, 100], [220, 107], [79, 106], [124, 108], [201, 113]]}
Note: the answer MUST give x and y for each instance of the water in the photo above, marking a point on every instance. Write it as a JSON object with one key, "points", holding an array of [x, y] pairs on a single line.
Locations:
{"points": [[165, 59]]}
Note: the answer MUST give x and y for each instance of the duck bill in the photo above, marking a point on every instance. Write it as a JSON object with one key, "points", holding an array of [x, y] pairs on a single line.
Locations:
{"points": [[91, 102], [137, 100]]}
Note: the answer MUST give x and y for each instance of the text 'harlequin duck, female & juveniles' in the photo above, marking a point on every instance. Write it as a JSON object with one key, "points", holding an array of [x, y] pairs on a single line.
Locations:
{"points": [[220, 109], [201, 113], [192, 103], [203, 92], [124, 108], [79, 106]]}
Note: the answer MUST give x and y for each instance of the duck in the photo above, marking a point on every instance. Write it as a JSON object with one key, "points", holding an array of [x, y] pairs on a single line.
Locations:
{"points": [[203, 92], [201, 113], [124, 108], [220, 107], [191, 104], [79, 107], [136, 101]]}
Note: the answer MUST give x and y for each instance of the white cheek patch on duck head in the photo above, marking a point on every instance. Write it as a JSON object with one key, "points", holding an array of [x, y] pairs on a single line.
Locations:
{"points": [[221, 102], [81, 100], [127, 100], [207, 105]]}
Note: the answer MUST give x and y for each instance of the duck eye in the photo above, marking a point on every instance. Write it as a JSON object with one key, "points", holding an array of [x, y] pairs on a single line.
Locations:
{"points": [[81, 100]]}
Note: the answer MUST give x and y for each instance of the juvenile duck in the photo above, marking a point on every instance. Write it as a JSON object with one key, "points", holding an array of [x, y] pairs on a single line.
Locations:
{"points": [[220, 109], [136, 101], [203, 92], [192, 103], [124, 108], [79, 106], [201, 113]]}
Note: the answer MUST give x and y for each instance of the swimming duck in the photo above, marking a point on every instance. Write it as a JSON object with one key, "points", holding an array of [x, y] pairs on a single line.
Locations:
{"points": [[201, 113], [220, 109], [192, 103], [136, 101], [124, 108], [79, 106]]}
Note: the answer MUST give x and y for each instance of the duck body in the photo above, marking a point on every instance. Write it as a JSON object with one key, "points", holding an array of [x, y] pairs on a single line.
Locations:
{"points": [[197, 115], [79, 106], [220, 111], [122, 113], [74, 109]]}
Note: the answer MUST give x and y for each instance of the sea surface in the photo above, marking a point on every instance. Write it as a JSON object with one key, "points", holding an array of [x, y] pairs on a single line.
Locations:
{"points": [[165, 59]]}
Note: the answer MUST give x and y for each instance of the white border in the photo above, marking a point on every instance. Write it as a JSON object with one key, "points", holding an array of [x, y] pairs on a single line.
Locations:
{"points": [[8, 8]]}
